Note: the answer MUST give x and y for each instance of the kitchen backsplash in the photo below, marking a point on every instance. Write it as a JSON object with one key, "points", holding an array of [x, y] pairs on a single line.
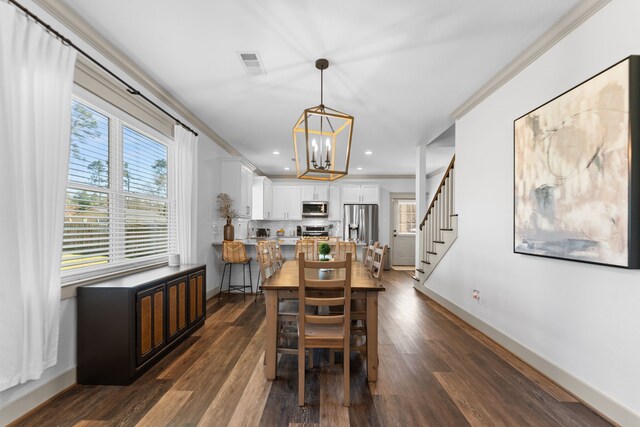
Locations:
{"points": [[242, 227]]}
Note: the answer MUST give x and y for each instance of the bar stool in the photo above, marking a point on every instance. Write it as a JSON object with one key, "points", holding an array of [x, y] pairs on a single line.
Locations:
{"points": [[234, 252]]}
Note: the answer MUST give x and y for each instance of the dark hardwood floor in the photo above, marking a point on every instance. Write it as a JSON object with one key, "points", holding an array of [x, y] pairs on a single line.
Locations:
{"points": [[435, 370]]}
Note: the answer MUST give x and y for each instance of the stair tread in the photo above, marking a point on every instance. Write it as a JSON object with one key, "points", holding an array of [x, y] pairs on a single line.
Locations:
{"points": [[432, 253], [453, 215], [415, 278], [419, 270], [425, 262], [438, 241], [446, 229]]}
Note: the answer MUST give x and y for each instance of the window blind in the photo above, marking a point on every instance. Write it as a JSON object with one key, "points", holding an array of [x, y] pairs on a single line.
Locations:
{"points": [[118, 207]]}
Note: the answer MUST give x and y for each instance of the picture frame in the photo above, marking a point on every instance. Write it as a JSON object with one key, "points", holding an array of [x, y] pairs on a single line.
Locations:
{"points": [[577, 172]]}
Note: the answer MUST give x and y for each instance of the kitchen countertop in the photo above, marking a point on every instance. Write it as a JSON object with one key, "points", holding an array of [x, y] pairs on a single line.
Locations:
{"points": [[284, 241]]}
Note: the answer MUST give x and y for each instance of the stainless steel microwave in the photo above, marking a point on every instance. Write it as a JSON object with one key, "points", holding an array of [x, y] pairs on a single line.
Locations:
{"points": [[315, 209]]}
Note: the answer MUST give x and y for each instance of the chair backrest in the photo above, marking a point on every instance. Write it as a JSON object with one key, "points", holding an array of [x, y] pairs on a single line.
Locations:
{"points": [[354, 251], [265, 261], [311, 278], [379, 258], [368, 257], [277, 254], [233, 251], [309, 248], [341, 249]]}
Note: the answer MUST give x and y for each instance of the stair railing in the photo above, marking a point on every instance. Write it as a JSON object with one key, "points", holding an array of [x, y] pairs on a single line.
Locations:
{"points": [[438, 217]]}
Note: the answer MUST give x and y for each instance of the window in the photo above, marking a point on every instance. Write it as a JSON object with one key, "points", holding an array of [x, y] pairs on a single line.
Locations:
{"points": [[407, 216], [118, 204]]}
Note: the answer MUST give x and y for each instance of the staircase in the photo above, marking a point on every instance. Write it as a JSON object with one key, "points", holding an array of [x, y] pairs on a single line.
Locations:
{"points": [[439, 227]]}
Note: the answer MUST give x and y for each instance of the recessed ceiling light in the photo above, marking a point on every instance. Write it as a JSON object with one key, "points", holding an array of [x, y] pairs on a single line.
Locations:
{"points": [[359, 169], [286, 169], [368, 152], [276, 152]]}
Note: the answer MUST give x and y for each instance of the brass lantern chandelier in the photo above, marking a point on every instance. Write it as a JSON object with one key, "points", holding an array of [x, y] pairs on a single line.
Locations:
{"points": [[322, 139]]}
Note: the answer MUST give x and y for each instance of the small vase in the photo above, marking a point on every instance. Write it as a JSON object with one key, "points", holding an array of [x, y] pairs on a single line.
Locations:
{"points": [[228, 231]]}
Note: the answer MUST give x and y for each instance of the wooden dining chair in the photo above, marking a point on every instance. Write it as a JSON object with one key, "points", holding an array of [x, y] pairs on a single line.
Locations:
{"points": [[341, 249], [324, 330], [379, 259], [234, 252], [368, 257], [287, 309], [266, 265], [354, 251], [307, 247], [277, 251]]}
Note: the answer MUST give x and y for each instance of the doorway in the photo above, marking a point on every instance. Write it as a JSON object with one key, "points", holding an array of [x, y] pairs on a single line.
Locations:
{"points": [[404, 231]]}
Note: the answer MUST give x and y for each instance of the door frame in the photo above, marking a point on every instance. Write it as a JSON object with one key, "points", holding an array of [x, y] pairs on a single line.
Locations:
{"points": [[392, 197]]}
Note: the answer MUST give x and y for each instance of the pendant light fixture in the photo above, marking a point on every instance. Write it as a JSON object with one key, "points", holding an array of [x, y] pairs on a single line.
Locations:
{"points": [[322, 139]]}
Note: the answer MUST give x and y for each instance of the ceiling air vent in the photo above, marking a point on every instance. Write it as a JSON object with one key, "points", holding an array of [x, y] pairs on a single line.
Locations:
{"points": [[252, 62]]}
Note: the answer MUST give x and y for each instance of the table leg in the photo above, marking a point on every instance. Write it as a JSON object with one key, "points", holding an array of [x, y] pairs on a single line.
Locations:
{"points": [[271, 301], [372, 336]]}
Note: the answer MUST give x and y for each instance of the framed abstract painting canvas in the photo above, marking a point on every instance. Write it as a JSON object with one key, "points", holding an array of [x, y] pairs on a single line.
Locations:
{"points": [[577, 172]]}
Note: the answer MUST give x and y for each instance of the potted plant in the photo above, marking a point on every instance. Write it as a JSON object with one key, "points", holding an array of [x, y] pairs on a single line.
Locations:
{"points": [[226, 210], [324, 249]]}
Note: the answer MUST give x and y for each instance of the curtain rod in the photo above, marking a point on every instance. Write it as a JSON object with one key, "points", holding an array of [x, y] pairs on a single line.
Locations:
{"points": [[130, 89]]}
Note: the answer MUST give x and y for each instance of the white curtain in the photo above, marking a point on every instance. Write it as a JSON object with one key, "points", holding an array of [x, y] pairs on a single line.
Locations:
{"points": [[186, 186], [36, 77]]}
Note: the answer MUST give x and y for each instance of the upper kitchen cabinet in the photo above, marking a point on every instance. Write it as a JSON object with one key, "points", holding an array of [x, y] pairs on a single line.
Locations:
{"points": [[364, 194], [318, 193], [287, 202], [335, 205], [262, 205], [237, 181]]}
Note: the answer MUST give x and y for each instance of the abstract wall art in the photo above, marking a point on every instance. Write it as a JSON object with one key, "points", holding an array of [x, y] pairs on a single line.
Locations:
{"points": [[576, 182]]}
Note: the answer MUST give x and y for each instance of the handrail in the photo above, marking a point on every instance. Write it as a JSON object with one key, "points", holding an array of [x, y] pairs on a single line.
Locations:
{"points": [[438, 191]]}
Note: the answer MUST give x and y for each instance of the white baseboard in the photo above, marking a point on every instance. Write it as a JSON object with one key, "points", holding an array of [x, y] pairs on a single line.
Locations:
{"points": [[46, 391], [598, 401]]}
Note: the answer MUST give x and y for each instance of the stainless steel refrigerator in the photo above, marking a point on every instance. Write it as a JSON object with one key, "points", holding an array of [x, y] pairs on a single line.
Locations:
{"points": [[361, 223]]}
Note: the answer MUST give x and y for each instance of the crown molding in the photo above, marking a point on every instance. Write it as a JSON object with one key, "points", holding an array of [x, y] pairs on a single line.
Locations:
{"points": [[347, 178], [81, 28], [569, 22]]}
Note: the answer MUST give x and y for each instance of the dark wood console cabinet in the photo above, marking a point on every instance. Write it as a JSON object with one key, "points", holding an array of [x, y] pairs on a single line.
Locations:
{"points": [[127, 324]]}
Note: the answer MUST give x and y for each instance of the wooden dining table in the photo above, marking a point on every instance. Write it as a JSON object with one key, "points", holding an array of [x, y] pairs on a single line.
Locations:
{"points": [[283, 284]]}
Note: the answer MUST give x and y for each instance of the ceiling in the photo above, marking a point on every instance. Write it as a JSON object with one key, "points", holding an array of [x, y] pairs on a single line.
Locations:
{"points": [[400, 68]]}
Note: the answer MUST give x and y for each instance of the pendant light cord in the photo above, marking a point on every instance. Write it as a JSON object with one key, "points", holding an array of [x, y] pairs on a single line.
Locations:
{"points": [[322, 88]]}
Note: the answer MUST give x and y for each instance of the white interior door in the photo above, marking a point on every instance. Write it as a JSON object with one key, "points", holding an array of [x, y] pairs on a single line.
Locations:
{"points": [[404, 232]]}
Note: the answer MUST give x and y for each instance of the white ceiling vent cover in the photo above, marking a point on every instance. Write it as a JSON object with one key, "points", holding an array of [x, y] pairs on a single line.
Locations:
{"points": [[252, 62]]}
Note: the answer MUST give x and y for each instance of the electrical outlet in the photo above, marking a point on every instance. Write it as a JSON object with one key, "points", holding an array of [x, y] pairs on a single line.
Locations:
{"points": [[476, 295]]}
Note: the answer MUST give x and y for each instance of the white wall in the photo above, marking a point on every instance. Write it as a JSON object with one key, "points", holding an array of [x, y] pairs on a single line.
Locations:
{"points": [[209, 155], [582, 318]]}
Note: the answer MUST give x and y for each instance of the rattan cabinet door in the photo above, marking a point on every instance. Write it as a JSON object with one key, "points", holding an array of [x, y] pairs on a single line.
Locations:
{"points": [[196, 297], [150, 322], [176, 307]]}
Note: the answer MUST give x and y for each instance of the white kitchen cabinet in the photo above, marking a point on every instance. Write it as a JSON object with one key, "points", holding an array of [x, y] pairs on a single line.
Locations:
{"points": [[335, 203], [262, 198], [363, 194], [317, 193], [287, 202], [370, 194], [236, 179], [351, 194]]}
